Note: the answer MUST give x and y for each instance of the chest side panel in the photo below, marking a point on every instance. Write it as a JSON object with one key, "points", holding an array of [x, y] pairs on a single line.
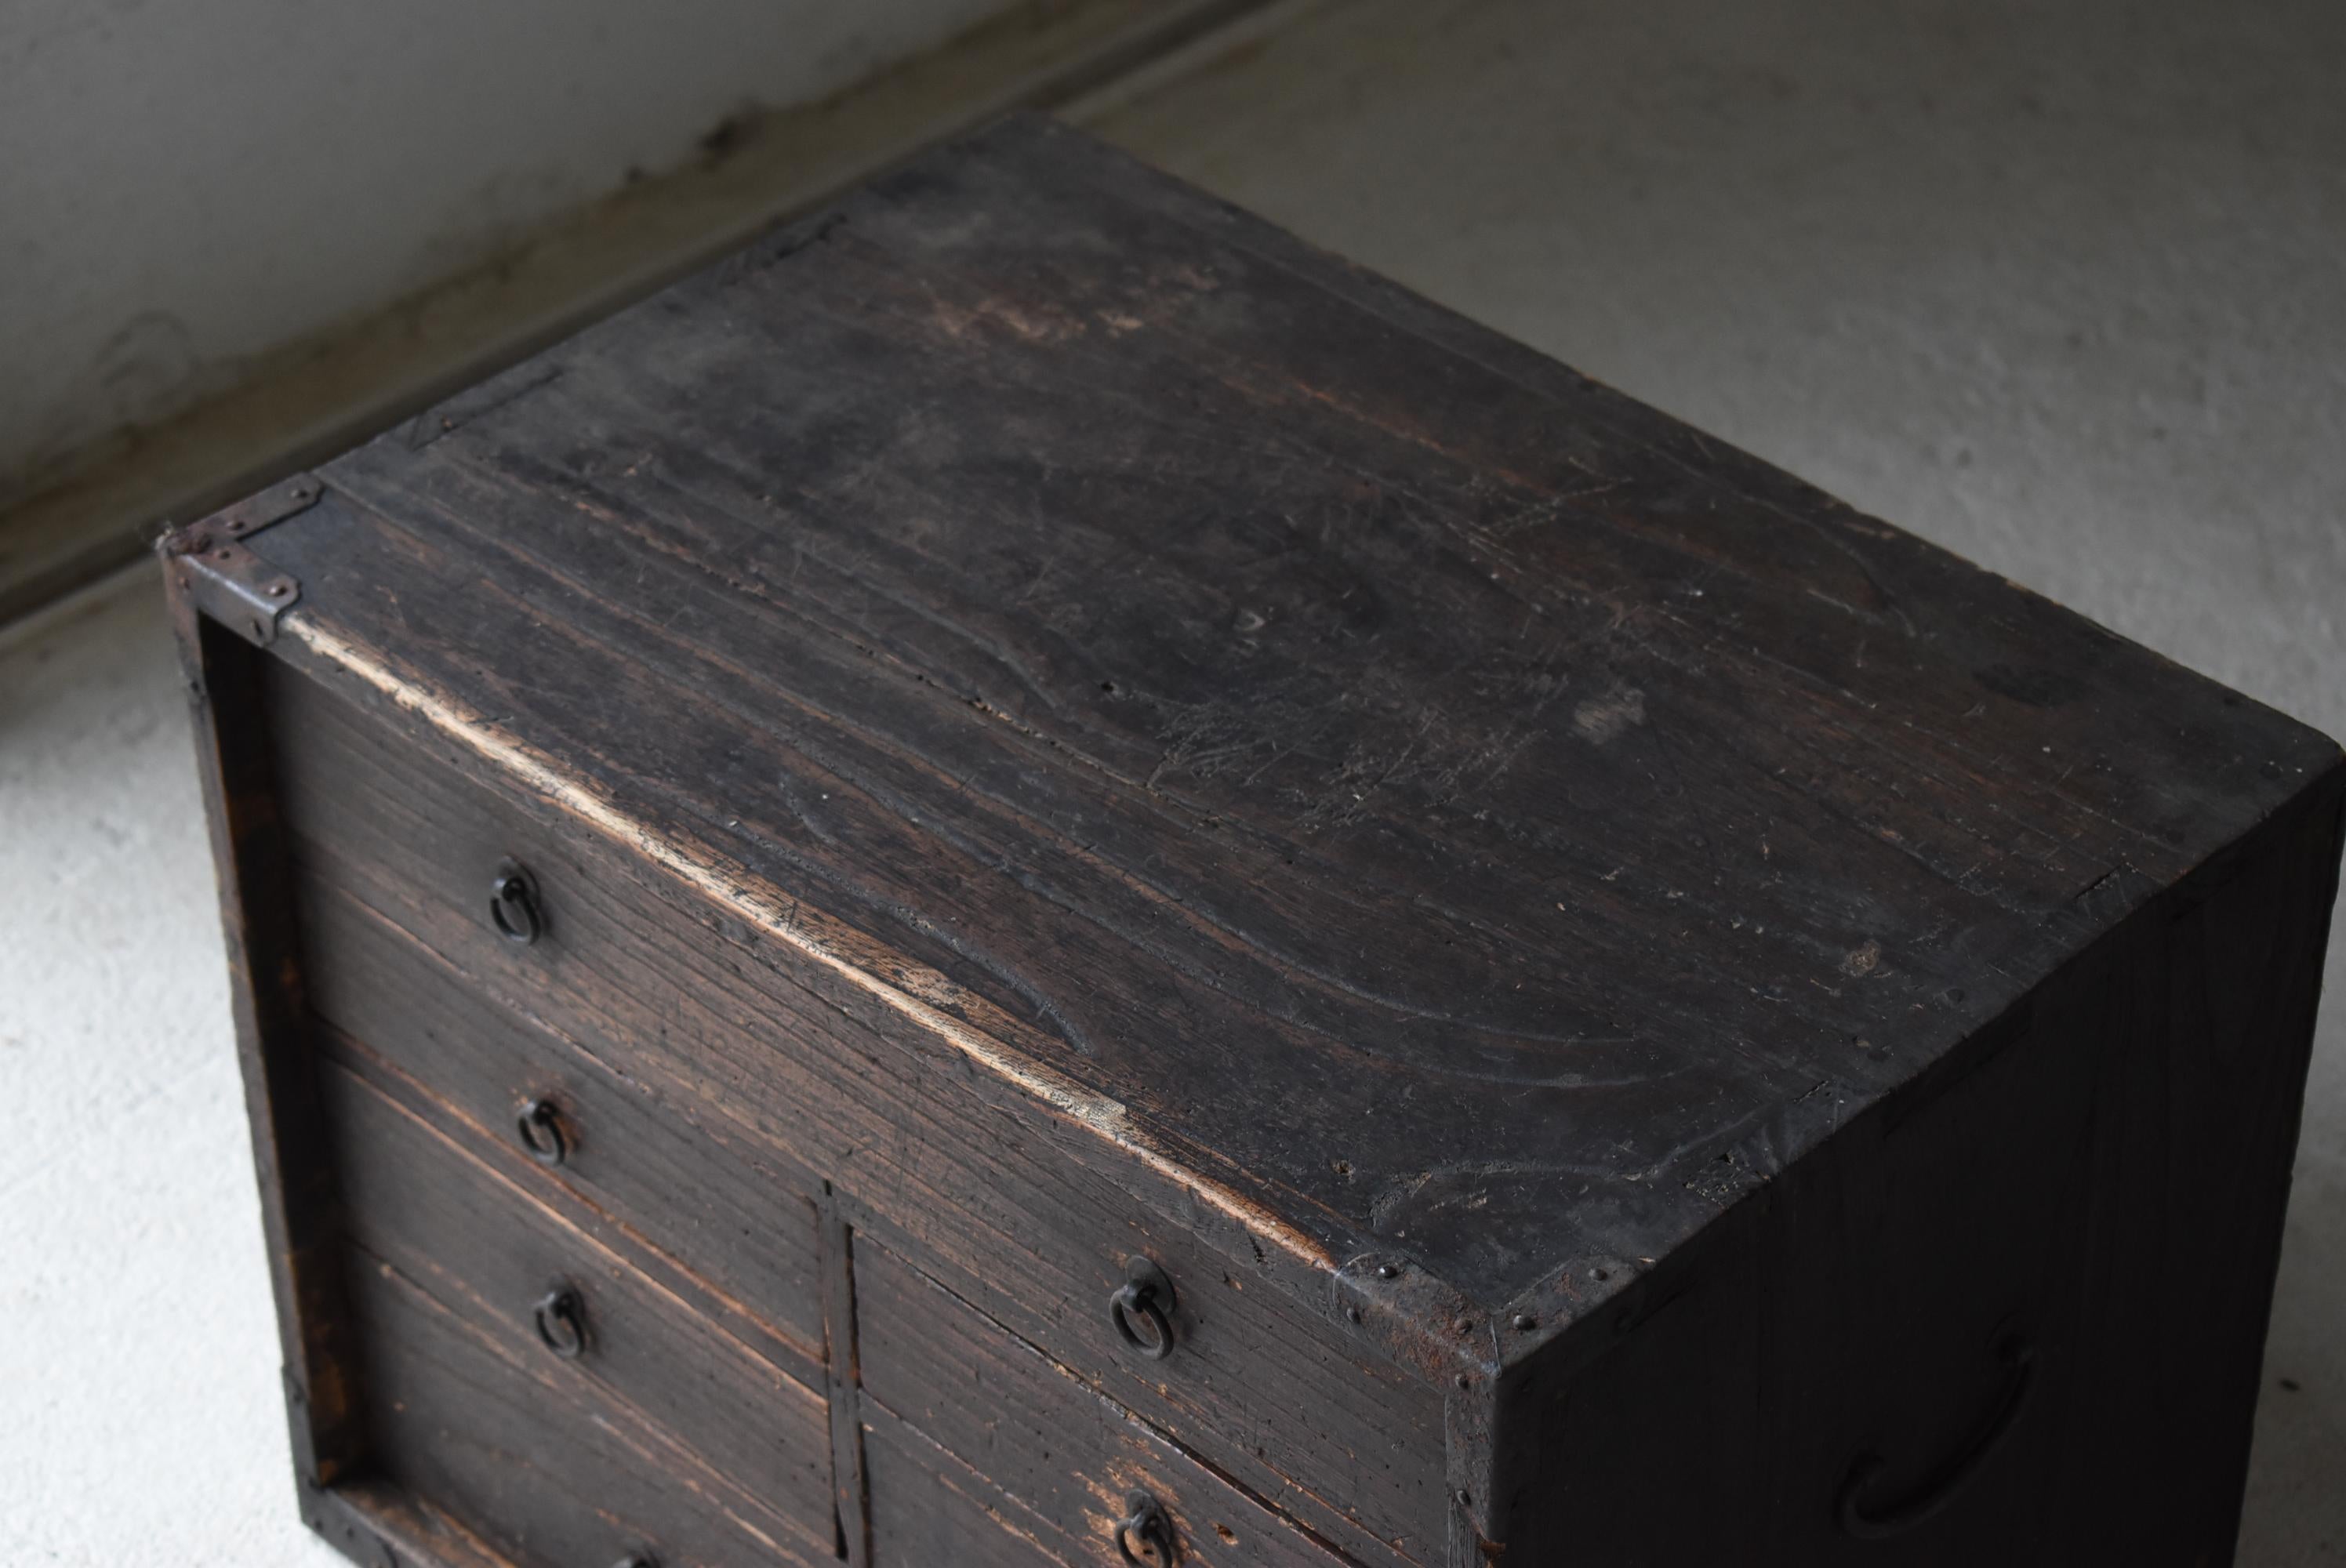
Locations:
{"points": [[2001, 1311]]}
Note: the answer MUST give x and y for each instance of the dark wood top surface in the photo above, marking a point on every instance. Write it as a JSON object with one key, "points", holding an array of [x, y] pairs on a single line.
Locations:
{"points": [[1432, 797]]}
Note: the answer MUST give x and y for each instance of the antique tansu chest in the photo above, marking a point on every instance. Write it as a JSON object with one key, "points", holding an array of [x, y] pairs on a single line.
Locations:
{"points": [[1034, 877]]}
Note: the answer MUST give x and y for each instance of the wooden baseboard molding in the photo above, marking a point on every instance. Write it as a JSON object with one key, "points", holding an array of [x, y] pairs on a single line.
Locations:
{"points": [[314, 399]]}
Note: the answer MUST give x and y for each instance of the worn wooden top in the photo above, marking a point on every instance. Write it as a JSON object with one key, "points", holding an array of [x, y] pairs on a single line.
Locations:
{"points": [[1444, 805]]}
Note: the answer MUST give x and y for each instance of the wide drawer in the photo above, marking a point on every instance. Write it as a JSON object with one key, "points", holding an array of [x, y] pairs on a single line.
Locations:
{"points": [[1026, 1213], [540, 1295], [972, 1434]]}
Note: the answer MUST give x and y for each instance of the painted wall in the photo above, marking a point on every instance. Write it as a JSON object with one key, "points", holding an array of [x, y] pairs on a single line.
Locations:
{"points": [[185, 186]]}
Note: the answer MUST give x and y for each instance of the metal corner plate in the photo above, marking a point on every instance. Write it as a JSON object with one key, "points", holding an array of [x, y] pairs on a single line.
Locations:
{"points": [[211, 564]]}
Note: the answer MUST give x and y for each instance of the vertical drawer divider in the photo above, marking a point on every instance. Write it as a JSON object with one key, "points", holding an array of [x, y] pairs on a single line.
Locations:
{"points": [[851, 1513]]}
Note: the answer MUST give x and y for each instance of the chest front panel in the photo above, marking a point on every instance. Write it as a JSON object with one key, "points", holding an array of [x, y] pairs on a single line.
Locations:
{"points": [[609, 1088]]}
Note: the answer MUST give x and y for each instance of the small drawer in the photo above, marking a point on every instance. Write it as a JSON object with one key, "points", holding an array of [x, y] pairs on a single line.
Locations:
{"points": [[540, 1293], [1026, 1213], [1037, 1249], [929, 1507], [972, 1436], [505, 1453]]}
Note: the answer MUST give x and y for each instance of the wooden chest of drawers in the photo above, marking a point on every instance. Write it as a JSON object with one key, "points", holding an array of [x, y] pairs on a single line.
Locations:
{"points": [[1034, 877]]}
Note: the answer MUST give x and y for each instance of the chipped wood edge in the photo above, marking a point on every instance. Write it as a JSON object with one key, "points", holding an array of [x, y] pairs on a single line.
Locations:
{"points": [[919, 994]]}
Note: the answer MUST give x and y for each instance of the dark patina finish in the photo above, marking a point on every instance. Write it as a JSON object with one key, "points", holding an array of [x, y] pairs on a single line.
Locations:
{"points": [[1034, 744]]}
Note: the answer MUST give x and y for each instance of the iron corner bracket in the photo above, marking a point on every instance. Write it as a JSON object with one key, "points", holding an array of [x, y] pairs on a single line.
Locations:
{"points": [[209, 561]]}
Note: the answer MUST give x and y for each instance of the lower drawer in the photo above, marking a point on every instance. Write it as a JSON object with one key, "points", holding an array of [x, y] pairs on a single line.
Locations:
{"points": [[931, 1507], [979, 1449], [543, 1470], [581, 1338]]}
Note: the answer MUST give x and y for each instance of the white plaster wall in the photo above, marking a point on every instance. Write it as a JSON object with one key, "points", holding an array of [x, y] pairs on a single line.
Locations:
{"points": [[186, 184]]}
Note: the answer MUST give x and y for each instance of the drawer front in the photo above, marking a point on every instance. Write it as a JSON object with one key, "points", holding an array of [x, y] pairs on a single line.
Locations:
{"points": [[687, 1196], [540, 1292], [972, 1434], [543, 1468], [1025, 1214], [929, 1507]]}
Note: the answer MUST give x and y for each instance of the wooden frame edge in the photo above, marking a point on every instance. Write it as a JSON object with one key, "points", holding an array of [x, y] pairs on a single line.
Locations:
{"points": [[299, 1206]]}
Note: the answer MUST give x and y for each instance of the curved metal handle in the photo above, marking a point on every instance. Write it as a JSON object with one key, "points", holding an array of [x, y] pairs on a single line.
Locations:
{"points": [[539, 1127], [514, 906], [1941, 1485], [561, 1316], [1145, 1294], [1145, 1521], [637, 1560]]}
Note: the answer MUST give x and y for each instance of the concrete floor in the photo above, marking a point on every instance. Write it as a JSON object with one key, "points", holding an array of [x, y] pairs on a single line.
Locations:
{"points": [[2055, 286]]}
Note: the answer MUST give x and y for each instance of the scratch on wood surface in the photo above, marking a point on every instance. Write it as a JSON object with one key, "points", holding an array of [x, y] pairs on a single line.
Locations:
{"points": [[1603, 718], [846, 951]]}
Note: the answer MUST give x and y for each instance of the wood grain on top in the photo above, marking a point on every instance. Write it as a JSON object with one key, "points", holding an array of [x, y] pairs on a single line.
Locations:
{"points": [[1457, 809]]}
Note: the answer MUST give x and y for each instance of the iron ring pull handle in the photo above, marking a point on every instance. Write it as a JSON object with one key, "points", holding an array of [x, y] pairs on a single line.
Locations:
{"points": [[539, 1127], [2019, 1358], [1147, 1522], [561, 1318], [1145, 1294], [513, 904]]}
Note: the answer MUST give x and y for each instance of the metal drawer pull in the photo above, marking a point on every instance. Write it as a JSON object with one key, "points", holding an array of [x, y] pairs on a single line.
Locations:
{"points": [[2019, 1360], [1145, 1293], [513, 904], [637, 1560], [562, 1321], [540, 1129], [1145, 1521]]}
